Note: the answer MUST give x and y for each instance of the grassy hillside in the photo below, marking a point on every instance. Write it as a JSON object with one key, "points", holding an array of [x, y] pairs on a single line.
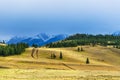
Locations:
{"points": [[101, 58], [2, 44], [104, 64]]}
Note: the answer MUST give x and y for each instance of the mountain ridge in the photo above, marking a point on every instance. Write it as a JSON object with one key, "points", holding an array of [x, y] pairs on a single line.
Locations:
{"points": [[39, 39]]}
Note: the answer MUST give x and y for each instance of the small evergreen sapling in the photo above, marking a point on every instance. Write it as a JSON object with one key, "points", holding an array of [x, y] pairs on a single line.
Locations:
{"points": [[61, 56], [82, 49], [54, 56], [87, 61], [78, 49]]}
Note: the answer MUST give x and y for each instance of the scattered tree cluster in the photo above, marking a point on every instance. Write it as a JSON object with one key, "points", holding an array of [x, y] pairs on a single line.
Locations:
{"points": [[53, 56], [87, 39], [116, 46], [12, 49], [80, 49]]}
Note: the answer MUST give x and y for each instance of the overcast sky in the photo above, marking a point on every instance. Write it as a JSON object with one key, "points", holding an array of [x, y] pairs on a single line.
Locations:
{"points": [[30, 17]]}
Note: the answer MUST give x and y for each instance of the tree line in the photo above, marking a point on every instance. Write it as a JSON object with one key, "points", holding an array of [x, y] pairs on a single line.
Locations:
{"points": [[87, 39], [12, 49]]}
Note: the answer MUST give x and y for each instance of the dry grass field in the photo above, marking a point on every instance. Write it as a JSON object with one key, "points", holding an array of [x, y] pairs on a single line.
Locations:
{"points": [[43, 74], [2, 44], [104, 64]]}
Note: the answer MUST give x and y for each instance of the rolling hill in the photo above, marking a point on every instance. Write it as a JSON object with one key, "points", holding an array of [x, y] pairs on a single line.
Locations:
{"points": [[104, 61], [104, 64], [100, 58]]}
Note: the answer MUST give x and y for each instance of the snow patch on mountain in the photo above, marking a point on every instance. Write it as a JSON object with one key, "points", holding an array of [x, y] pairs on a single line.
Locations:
{"points": [[39, 39]]}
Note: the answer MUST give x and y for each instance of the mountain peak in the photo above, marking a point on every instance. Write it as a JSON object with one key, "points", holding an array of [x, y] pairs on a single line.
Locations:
{"points": [[43, 36], [40, 39]]}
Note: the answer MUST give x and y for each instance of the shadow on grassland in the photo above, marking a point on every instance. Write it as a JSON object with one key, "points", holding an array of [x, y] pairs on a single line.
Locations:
{"points": [[2, 67]]}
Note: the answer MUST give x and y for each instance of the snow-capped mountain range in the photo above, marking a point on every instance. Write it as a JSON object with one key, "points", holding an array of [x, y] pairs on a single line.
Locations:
{"points": [[40, 39]]}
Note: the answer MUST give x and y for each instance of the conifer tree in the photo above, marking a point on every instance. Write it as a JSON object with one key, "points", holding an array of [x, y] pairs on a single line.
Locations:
{"points": [[87, 61], [82, 49], [78, 49], [54, 56], [61, 56]]}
